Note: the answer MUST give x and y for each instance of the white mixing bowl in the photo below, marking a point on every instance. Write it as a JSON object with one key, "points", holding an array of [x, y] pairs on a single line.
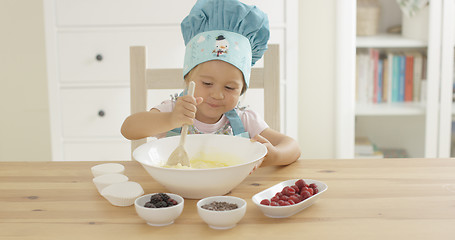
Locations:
{"points": [[200, 183]]}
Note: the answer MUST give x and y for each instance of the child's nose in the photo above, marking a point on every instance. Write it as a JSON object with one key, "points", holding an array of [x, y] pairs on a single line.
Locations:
{"points": [[217, 94]]}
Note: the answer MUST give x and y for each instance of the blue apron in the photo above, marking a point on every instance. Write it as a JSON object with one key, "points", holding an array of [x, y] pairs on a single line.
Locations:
{"points": [[234, 121]]}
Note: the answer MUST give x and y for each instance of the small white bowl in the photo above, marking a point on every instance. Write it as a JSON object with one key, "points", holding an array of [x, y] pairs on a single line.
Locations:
{"points": [[222, 219], [107, 179], [107, 168], [159, 216], [122, 194], [286, 211]]}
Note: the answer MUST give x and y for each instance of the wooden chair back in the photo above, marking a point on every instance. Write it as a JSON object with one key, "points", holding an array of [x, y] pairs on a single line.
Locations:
{"points": [[143, 78]]}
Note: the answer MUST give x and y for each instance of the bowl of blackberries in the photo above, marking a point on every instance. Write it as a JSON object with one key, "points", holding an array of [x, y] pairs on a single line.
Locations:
{"points": [[159, 209]]}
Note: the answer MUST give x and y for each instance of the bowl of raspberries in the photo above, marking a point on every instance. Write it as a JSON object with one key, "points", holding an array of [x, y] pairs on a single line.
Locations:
{"points": [[289, 197], [159, 209]]}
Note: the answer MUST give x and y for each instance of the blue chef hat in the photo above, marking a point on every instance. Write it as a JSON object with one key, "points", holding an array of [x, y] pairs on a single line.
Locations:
{"points": [[225, 30]]}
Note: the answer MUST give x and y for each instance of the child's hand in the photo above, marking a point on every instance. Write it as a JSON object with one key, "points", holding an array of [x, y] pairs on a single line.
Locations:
{"points": [[185, 110], [271, 150]]}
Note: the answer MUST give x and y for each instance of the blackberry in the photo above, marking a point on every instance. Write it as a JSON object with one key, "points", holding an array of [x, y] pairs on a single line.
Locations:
{"points": [[156, 198], [161, 204], [164, 196], [149, 205], [171, 202], [160, 200]]}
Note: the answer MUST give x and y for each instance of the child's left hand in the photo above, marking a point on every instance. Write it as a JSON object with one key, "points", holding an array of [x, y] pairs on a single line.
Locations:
{"points": [[271, 150]]}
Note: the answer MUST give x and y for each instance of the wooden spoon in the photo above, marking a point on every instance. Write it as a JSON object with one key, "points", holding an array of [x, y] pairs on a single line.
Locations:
{"points": [[179, 155]]}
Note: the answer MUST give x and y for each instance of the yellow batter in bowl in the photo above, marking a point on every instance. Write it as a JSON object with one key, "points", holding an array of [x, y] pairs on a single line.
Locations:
{"points": [[205, 160]]}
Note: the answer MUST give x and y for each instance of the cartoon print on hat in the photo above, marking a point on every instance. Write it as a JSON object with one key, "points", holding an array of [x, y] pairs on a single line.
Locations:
{"points": [[221, 45]]}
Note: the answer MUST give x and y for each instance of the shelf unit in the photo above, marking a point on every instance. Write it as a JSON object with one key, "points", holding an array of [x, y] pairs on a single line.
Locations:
{"points": [[423, 126], [447, 107]]}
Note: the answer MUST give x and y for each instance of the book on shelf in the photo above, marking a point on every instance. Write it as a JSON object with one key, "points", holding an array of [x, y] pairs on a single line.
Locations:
{"points": [[389, 76], [364, 148], [374, 53], [385, 79], [409, 78], [380, 81], [401, 77], [375, 155], [362, 66], [394, 152], [417, 75], [395, 78]]}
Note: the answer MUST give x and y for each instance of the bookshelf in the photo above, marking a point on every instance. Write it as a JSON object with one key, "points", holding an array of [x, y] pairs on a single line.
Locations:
{"points": [[422, 128]]}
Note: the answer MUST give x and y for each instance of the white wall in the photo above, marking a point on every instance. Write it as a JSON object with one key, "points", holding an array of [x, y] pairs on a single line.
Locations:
{"points": [[316, 78], [24, 119]]}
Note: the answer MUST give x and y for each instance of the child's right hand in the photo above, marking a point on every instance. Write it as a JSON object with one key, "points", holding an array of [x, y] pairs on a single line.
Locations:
{"points": [[185, 110]]}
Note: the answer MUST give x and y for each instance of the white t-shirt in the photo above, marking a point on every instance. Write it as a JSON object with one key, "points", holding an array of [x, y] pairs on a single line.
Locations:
{"points": [[252, 123]]}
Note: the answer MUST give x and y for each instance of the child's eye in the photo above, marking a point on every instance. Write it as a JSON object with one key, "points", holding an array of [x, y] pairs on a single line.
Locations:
{"points": [[207, 83], [230, 88]]}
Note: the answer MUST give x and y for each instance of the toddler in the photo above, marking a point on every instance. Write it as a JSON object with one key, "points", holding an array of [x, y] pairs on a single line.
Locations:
{"points": [[224, 39]]}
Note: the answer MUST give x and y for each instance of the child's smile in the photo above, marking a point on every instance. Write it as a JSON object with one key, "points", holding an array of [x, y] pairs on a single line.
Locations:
{"points": [[219, 84], [213, 105]]}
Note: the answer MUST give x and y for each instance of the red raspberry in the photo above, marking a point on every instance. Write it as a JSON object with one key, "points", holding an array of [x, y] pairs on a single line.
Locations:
{"points": [[285, 203], [310, 190], [296, 188], [274, 204], [291, 202], [283, 191], [280, 202], [284, 198], [274, 199], [300, 183], [305, 188], [288, 191], [265, 202], [279, 194], [295, 198], [314, 187], [305, 194]]}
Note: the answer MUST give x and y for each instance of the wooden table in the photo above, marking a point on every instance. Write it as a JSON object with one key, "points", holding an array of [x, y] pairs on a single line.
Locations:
{"points": [[366, 199]]}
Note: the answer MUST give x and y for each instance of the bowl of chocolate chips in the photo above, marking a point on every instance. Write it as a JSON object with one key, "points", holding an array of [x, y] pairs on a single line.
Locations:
{"points": [[159, 209], [221, 212]]}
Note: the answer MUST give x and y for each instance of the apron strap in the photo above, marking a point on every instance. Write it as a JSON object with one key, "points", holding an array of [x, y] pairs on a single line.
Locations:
{"points": [[174, 132], [234, 120]]}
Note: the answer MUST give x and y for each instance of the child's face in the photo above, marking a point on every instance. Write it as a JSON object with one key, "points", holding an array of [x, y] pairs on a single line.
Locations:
{"points": [[219, 84]]}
